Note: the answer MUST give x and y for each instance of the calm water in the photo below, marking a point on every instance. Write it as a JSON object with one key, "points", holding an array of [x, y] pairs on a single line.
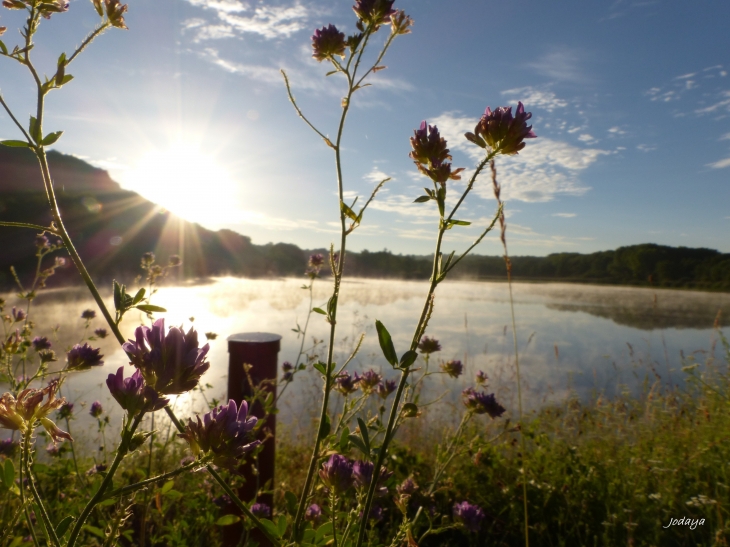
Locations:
{"points": [[571, 337]]}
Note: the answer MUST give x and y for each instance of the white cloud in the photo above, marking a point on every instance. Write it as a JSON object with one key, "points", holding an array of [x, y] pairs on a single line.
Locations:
{"points": [[725, 137], [645, 147], [544, 169], [535, 98], [718, 105], [238, 17], [721, 164], [686, 76], [565, 215], [585, 137], [561, 64], [616, 131], [376, 176]]}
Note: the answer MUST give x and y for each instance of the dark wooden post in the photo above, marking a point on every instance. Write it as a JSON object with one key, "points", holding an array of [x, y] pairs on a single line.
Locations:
{"points": [[260, 350]]}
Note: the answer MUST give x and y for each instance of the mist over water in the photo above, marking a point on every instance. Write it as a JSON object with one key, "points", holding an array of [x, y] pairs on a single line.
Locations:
{"points": [[570, 337]]}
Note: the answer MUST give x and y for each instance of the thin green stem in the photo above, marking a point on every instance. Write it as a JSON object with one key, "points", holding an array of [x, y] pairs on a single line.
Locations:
{"points": [[12, 117], [28, 225], [90, 38], [333, 511], [124, 490], [50, 531]]}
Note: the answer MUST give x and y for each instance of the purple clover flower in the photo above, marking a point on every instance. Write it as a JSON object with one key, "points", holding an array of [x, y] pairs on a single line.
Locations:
{"points": [[362, 474], [453, 368], [41, 343], [502, 132], [482, 378], [96, 409], [261, 510], [386, 387], [313, 513], [429, 345], [374, 12], [66, 411], [101, 333], [41, 242], [345, 384], [83, 357], [286, 366], [407, 487], [53, 450], [469, 515], [171, 363], [88, 315], [368, 381], [326, 42], [132, 394], [430, 154], [482, 403], [18, 315], [224, 432], [8, 447], [336, 473]]}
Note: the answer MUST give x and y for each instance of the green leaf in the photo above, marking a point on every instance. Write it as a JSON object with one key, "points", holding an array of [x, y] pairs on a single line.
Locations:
{"points": [[98, 532], [422, 199], [3, 48], [106, 503], [349, 213], [323, 531], [386, 343], [365, 435], [34, 130], [410, 410], [281, 525], [331, 72], [321, 367], [325, 427], [167, 487], [15, 144], [344, 439], [9, 473], [291, 503], [62, 526], [270, 527], [227, 520], [149, 308], [118, 295], [357, 441], [331, 305], [17, 541], [138, 297], [408, 358], [319, 311], [66, 79], [51, 138]]}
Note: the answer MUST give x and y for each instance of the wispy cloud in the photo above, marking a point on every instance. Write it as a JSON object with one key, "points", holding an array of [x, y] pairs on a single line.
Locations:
{"points": [[565, 215], [616, 131], [645, 147], [722, 104], [721, 164], [236, 17], [725, 137], [544, 169], [376, 176], [535, 98], [562, 64]]}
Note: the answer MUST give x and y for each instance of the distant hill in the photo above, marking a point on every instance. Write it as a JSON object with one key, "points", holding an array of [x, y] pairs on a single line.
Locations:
{"points": [[112, 228]]}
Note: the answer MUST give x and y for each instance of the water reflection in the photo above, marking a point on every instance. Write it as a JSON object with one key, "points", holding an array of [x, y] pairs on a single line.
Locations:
{"points": [[571, 337]]}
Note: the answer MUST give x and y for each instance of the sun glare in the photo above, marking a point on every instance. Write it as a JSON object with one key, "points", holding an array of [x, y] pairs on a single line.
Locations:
{"points": [[187, 182]]}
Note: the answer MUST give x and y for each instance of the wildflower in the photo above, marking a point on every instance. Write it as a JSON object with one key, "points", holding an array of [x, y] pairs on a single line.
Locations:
{"points": [[47, 356], [147, 258], [316, 260], [41, 241], [430, 154], [83, 357], [453, 368], [21, 413], [374, 12], [187, 460], [482, 378], [18, 315], [96, 409], [53, 450], [261, 510], [224, 432], [66, 411], [13, 343], [101, 333], [88, 314], [502, 132], [345, 384], [286, 366], [326, 42], [171, 364], [469, 515], [368, 381], [336, 473], [386, 388], [362, 474], [313, 513], [223, 501], [8, 447], [132, 394], [429, 345], [115, 12], [400, 23], [481, 403], [174, 261], [98, 468], [40, 343], [407, 487]]}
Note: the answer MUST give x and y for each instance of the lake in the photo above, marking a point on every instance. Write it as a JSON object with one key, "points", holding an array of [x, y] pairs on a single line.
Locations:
{"points": [[571, 338]]}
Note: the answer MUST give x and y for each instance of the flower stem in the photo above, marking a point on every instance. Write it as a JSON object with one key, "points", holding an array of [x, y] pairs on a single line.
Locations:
{"points": [[333, 511], [50, 531]]}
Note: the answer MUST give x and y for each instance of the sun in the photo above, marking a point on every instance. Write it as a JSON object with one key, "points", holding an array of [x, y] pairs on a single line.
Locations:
{"points": [[187, 182]]}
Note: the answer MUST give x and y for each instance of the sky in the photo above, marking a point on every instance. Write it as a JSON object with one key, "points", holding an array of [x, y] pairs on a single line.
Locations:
{"points": [[630, 102]]}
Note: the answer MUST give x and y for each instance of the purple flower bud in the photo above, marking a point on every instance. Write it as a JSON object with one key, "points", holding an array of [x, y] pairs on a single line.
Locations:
{"points": [[453, 368], [60, 262], [83, 357], [261, 510], [171, 363], [313, 513], [481, 403], [115, 12], [98, 468], [66, 411], [18, 315], [47, 356], [41, 241], [374, 12], [8, 447], [132, 394], [101, 333], [469, 515], [41, 343], [368, 381], [223, 501], [326, 42], [224, 432], [53, 450], [88, 315], [148, 259], [430, 154], [429, 345], [386, 388], [362, 474], [501, 131], [287, 377], [408, 487], [336, 473], [345, 384], [96, 409], [481, 378], [286, 366]]}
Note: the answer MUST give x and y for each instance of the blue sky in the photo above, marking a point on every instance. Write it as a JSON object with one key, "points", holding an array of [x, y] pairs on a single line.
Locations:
{"points": [[630, 100]]}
